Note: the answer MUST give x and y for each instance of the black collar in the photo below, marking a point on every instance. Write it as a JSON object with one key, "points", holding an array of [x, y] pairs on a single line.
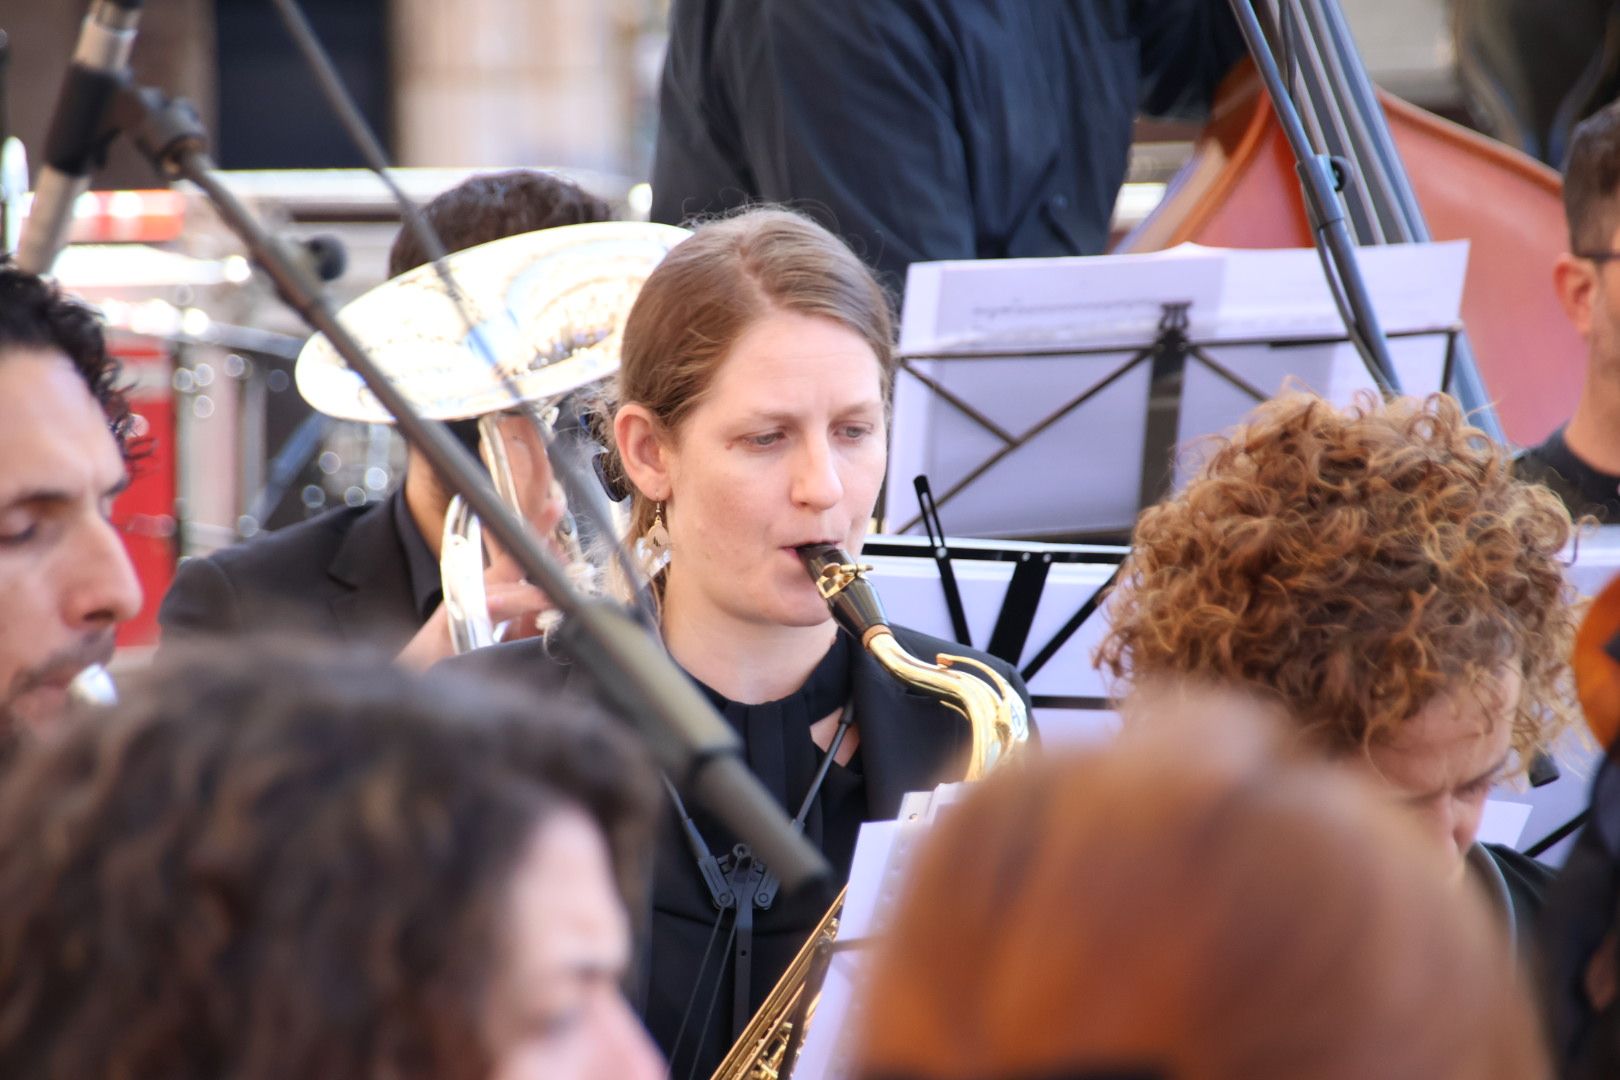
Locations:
{"points": [[427, 588], [1583, 489], [909, 741], [375, 605]]}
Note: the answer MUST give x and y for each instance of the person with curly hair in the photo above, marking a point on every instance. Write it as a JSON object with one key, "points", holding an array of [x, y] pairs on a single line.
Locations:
{"points": [[1379, 575], [66, 442], [266, 866]]}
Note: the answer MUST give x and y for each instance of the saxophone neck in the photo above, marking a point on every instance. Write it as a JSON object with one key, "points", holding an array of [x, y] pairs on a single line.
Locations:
{"points": [[968, 686], [842, 583]]}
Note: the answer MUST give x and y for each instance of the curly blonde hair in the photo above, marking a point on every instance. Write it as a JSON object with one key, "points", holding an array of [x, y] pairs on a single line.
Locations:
{"points": [[1354, 564]]}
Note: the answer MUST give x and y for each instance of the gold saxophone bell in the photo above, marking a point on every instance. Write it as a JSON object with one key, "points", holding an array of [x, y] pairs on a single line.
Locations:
{"points": [[1000, 725]]}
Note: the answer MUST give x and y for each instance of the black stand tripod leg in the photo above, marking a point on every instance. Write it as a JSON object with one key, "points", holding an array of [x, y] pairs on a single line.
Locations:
{"points": [[1168, 379], [1319, 186]]}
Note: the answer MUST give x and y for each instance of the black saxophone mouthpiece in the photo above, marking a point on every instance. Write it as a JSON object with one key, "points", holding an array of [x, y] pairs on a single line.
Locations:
{"points": [[842, 582]]}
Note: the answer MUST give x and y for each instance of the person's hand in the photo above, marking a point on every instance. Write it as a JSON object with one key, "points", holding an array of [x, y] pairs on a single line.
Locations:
{"points": [[515, 606], [509, 599]]}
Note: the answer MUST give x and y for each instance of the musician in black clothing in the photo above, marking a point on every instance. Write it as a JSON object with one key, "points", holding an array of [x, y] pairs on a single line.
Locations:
{"points": [[370, 574], [753, 399], [927, 129], [1380, 575], [1581, 460]]}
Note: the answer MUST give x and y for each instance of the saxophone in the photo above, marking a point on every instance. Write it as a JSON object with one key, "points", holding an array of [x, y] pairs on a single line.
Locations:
{"points": [[964, 685]]}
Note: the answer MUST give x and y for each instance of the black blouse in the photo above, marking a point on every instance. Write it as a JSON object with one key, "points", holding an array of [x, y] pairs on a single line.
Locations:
{"points": [[779, 750], [777, 743]]}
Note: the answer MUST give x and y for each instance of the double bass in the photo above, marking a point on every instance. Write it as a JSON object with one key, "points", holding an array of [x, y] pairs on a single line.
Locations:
{"points": [[1416, 177]]}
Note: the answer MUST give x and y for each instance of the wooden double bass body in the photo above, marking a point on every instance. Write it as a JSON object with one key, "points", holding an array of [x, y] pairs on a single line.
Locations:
{"points": [[1240, 189]]}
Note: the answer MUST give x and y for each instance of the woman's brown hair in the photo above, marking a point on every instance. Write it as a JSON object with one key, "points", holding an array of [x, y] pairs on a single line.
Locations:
{"points": [[711, 288], [1139, 912], [263, 867]]}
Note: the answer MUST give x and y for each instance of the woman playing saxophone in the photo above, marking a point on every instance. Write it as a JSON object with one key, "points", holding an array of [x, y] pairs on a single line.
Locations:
{"points": [[750, 421]]}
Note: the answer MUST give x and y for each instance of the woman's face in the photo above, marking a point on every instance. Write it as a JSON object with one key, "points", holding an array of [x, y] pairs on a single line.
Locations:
{"points": [[788, 447], [556, 1011]]}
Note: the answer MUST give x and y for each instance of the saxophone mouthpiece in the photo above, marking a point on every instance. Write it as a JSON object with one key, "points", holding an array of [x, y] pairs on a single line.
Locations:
{"points": [[842, 583]]}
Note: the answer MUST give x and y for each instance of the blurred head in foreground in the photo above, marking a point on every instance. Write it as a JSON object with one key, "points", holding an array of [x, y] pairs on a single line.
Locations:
{"points": [[1380, 575], [325, 870], [1133, 912]]}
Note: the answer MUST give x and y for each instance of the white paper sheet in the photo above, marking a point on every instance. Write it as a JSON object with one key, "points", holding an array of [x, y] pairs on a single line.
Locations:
{"points": [[968, 327]]}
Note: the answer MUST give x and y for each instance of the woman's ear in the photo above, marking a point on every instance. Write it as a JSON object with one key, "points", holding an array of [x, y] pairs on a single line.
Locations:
{"points": [[642, 450]]}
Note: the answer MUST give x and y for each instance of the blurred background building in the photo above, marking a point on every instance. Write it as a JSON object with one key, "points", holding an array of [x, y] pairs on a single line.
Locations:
{"points": [[470, 83]]}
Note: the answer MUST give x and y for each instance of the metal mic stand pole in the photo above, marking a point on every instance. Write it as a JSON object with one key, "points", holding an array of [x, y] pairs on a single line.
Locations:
{"points": [[1317, 180], [697, 748]]}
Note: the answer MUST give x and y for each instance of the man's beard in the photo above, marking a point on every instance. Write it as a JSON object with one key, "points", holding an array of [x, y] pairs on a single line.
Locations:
{"points": [[56, 669]]}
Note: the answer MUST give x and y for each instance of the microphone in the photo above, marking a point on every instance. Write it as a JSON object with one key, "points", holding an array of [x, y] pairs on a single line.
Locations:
{"points": [[326, 254], [76, 141]]}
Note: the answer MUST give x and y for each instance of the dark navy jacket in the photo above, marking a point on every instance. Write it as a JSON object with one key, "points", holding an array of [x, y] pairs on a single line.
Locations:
{"points": [[927, 129]]}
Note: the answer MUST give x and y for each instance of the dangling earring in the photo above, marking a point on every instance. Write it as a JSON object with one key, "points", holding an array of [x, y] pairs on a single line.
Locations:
{"points": [[653, 547]]}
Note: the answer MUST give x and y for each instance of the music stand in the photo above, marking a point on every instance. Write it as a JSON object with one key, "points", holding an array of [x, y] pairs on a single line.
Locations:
{"points": [[1038, 415], [1036, 606]]}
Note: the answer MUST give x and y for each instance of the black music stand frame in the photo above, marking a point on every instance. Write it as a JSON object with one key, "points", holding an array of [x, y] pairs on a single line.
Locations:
{"points": [[1015, 619], [1168, 354]]}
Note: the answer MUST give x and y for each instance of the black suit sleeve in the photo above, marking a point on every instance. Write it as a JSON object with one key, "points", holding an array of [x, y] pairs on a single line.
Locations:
{"points": [[1187, 48], [845, 113], [201, 600]]}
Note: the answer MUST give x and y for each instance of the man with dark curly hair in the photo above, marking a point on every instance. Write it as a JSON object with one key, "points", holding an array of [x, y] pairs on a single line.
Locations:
{"points": [[65, 579], [1380, 575]]}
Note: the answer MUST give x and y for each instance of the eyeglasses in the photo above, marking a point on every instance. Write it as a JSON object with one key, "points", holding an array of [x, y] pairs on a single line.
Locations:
{"points": [[1598, 256]]}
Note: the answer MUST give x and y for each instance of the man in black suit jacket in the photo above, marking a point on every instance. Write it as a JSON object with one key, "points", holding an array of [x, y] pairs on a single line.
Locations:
{"points": [[360, 574], [370, 574]]}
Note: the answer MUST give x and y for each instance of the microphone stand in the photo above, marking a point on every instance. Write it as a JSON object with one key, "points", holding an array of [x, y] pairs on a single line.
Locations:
{"points": [[1320, 179], [13, 160], [692, 743]]}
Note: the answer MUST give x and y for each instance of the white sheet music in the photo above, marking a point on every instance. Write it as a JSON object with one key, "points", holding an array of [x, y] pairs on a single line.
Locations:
{"points": [[968, 328], [882, 853]]}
